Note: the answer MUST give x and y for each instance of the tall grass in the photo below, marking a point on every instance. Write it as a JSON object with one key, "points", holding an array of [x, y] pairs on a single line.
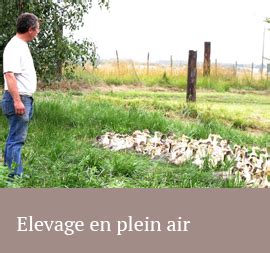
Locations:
{"points": [[221, 79]]}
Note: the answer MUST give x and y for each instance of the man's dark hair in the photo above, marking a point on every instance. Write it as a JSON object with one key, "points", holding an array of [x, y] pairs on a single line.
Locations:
{"points": [[26, 21]]}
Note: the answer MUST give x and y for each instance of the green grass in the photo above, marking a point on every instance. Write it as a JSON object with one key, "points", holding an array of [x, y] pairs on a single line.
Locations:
{"points": [[61, 152], [235, 110]]}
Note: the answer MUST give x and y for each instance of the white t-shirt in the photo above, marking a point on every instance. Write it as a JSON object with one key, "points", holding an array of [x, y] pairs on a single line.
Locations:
{"points": [[17, 58]]}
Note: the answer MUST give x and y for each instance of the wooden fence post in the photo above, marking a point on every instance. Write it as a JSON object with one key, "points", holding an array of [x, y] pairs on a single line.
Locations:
{"points": [[148, 57], [192, 76], [252, 69], [235, 69], [207, 61], [118, 64], [171, 65]]}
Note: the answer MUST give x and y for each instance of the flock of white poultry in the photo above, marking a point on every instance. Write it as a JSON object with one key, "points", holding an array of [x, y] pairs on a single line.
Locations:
{"points": [[252, 166]]}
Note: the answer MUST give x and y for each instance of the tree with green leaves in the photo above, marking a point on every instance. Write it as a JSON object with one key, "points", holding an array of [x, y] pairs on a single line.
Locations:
{"points": [[54, 50]]}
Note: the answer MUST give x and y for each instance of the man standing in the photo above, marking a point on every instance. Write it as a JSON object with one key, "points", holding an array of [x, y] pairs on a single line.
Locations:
{"points": [[20, 85]]}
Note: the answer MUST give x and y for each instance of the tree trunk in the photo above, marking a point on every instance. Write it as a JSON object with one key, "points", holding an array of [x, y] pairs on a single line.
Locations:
{"points": [[59, 62], [192, 76]]}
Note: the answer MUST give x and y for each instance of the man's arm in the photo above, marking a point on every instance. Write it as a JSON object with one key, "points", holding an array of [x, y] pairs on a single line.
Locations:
{"points": [[13, 89]]}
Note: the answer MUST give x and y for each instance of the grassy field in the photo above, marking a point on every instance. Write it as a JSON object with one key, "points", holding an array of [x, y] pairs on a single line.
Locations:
{"points": [[127, 72], [61, 149]]}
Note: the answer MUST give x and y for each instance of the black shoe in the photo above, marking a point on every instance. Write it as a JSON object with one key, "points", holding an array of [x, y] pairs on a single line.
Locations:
{"points": [[11, 177]]}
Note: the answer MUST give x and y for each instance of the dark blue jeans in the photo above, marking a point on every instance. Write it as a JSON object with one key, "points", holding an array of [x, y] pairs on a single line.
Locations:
{"points": [[18, 128]]}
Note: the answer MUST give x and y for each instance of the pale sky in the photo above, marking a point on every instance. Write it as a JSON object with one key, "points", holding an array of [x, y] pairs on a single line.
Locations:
{"points": [[173, 27]]}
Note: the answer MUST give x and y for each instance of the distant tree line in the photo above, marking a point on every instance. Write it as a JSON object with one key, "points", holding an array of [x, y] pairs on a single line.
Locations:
{"points": [[53, 51]]}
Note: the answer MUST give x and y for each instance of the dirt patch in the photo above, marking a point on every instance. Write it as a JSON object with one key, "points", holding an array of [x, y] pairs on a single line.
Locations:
{"points": [[103, 87], [124, 87], [256, 92], [257, 131]]}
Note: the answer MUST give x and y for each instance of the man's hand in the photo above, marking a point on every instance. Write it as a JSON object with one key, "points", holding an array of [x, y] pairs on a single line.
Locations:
{"points": [[13, 89], [19, 107]]}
